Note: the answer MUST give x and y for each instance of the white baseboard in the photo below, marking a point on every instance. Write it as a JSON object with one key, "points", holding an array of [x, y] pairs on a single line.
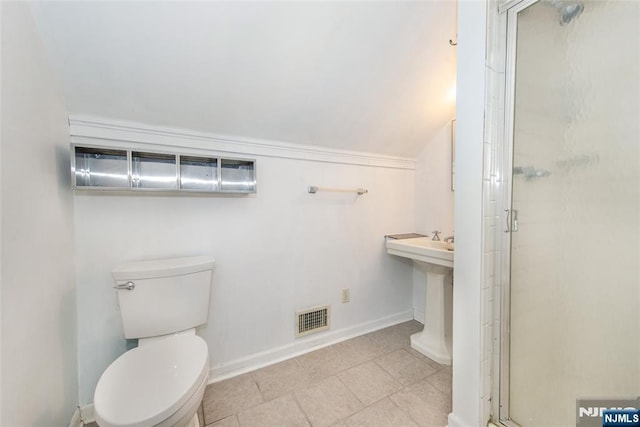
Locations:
{"points": [[76, 420], [305, 345], [454, 421], [418, 316], [83, 415], [86, 413]]}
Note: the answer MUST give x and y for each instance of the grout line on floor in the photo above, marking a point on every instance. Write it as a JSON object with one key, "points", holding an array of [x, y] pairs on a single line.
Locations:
{"points": [[377, 345]]}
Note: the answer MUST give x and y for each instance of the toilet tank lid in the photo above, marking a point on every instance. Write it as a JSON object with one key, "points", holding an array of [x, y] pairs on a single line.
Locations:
{"points": [[153, 269]]}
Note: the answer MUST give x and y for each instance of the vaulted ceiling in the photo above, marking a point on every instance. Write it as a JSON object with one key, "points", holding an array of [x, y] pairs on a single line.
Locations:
{"points": [[365, 76]]}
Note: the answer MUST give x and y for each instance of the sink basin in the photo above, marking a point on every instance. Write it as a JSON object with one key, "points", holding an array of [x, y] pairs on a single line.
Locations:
{"points": [[423, 249]]}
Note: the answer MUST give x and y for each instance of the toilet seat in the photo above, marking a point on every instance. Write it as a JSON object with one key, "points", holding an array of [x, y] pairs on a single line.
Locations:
{"points": [[148, 384]]}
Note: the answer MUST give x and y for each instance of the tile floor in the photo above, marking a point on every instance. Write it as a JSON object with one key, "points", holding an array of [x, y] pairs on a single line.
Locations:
{"points": [[372, 380]]}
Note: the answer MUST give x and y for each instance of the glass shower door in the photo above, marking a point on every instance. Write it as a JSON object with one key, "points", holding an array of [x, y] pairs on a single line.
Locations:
{"points": [[574, 282]]}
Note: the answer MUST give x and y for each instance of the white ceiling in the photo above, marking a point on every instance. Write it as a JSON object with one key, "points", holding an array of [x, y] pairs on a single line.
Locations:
{"points": [[366, 76]]}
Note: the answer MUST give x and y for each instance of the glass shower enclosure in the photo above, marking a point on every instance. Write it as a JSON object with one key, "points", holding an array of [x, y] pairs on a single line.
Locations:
{"points": [[571, 241]]}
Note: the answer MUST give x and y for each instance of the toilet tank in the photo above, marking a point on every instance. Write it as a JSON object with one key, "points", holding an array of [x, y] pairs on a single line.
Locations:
{"points": [[166, 296]]}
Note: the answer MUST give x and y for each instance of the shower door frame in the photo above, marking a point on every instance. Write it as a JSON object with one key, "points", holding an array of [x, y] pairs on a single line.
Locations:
{"points": [[507, 24]]}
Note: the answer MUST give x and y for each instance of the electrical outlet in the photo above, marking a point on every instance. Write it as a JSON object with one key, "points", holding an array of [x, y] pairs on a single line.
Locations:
{"points": [[346, 295]]}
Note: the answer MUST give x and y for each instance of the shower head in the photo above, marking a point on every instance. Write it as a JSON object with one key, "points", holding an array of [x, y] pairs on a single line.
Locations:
{"points": [[567, 10]]}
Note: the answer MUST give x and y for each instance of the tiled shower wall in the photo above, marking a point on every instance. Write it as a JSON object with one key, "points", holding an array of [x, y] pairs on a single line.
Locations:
{"points": [[492, 188]]}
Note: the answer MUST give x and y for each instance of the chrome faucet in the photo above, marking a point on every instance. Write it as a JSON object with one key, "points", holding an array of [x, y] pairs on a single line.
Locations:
{"points": [[449, 239], [436, 236]]}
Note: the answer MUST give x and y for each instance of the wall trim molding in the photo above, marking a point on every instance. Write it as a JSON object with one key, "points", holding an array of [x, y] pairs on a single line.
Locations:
{"points": [[260, 360], [454, 421], [76, 419], [84, 414], [88, 413], [101, 131], [418, 316]]}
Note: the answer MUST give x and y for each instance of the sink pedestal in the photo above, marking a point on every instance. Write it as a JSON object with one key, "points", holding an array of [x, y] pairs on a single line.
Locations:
{"points": [[434, 341]]}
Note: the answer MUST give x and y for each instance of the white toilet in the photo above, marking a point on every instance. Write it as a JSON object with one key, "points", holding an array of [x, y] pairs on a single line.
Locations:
{"points": [[162, 381]]}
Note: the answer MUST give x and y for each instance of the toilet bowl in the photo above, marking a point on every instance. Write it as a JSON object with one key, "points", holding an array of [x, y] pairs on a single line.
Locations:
{"points": [[158, 384]]}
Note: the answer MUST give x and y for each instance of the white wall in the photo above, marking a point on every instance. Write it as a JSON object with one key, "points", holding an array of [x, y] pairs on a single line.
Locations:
{"points": [[470, 103], [434, 198], [433, 201], [1, 37], [278, 251], [39, 371]]}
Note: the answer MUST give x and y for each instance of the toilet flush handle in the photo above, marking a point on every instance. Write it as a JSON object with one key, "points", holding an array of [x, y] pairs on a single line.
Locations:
{"points": [[129, 286]]}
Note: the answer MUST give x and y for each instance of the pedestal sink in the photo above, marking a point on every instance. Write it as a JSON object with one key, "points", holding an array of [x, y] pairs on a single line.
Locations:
{"points": [[433, 341]]}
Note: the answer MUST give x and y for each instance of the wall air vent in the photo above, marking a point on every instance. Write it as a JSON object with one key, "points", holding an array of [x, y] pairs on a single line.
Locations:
{"points": [[312, 320]]}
